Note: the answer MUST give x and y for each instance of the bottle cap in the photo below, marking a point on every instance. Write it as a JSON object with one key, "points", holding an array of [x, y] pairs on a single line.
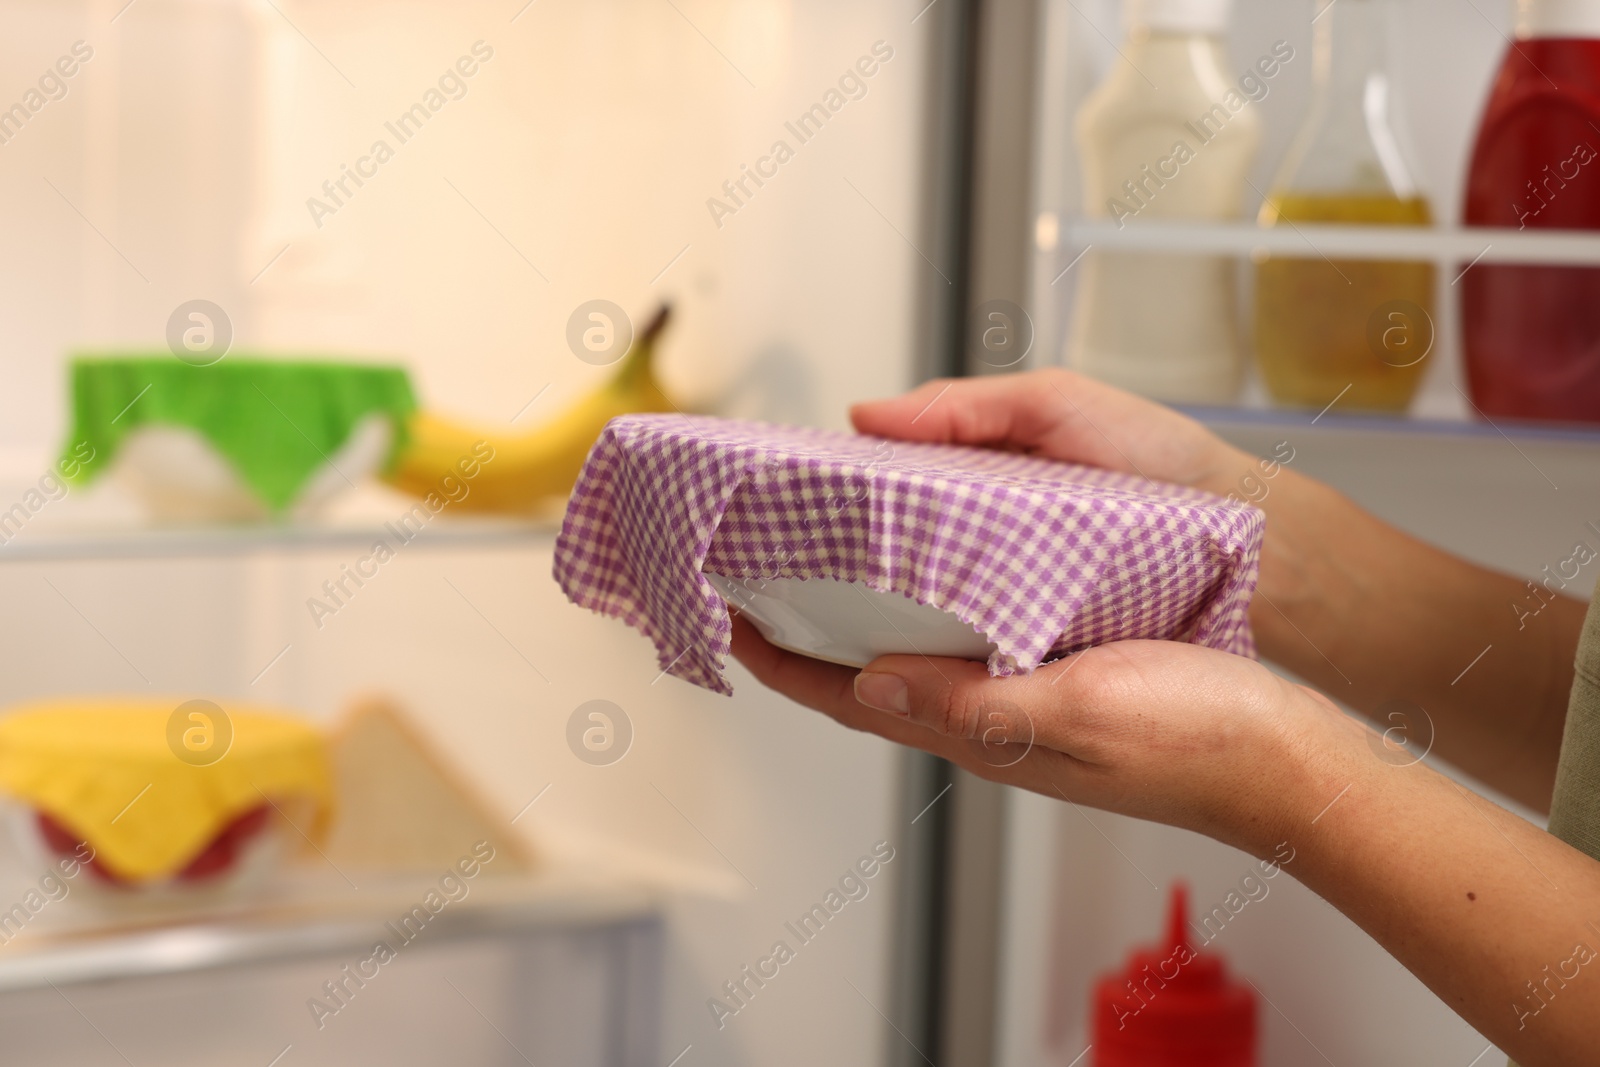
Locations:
{"points": [[1558, 18], [1174, 1006], [1179, 16]]}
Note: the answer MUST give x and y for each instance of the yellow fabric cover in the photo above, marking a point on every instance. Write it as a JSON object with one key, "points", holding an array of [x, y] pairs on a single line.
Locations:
{"points": [[85, 761]]}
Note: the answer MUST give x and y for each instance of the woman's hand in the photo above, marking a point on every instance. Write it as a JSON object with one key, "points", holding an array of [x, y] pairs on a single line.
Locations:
{"points": [[1164, 731], [1159, 730], [1065, 416], [1370, 615]]}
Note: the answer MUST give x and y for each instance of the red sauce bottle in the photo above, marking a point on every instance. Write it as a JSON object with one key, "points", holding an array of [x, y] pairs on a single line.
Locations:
{"points": [[1173, 1006], [1532, 333]]}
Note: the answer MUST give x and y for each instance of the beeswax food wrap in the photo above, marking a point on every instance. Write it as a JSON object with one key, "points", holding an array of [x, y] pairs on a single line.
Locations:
{"points": [[1039, 556], [85, 762], [276, 422]]}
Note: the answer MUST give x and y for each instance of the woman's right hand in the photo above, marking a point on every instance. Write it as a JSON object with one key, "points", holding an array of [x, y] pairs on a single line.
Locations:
{"points": [[1065, 416]]}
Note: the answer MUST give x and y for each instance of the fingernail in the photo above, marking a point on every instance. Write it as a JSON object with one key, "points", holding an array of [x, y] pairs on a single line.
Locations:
{"points": [[886, 692]]}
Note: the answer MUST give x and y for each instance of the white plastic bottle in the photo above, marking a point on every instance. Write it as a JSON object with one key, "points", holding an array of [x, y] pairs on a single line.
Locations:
{"points": [[1169, 134]]}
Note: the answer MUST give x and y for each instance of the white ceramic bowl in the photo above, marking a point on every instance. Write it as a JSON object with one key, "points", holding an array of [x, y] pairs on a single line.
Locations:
{"points": [[846, 622], [258, 858], [181, 477]]}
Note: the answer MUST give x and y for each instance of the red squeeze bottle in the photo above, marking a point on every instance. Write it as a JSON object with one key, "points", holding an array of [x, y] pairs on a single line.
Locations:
{"points": [[1532, 333], [1173, 1007]]}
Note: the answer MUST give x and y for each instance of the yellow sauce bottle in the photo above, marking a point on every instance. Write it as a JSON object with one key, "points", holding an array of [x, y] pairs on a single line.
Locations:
{"points": [[1355, 331], [1315, 333]]}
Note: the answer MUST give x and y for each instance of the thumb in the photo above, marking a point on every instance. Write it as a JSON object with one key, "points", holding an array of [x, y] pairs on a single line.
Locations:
{"points": [[954, 697]]}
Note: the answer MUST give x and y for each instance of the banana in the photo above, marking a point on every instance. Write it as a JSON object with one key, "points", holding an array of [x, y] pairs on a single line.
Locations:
{"points": [[534, 471]]}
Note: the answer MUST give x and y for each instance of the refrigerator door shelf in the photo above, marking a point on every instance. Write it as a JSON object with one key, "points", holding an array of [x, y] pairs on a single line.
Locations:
{"points": [[846, 622]]}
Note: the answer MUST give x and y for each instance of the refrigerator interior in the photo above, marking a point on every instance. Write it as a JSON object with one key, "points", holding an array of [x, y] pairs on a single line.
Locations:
{"points": [[1515, 501], [576, 163]]}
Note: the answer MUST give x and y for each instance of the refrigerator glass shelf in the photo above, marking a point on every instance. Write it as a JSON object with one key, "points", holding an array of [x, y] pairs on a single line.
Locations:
{"points": [[1454, 245], [66, 540], [90, 944], [1334, 423]]}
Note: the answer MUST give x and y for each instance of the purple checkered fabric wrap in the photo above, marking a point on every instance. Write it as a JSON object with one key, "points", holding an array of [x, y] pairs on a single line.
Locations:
{"points": [[1039, 556]]}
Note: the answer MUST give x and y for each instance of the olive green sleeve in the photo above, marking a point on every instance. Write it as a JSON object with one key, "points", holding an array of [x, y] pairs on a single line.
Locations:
{"points": [[1575, 807]]}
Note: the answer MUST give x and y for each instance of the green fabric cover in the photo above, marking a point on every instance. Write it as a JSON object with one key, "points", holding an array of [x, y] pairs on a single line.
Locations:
{"points": [[276, 421]]}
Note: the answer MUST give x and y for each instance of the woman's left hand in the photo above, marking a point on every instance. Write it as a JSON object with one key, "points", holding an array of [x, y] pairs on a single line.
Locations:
{"points": [[1159, 730]]}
